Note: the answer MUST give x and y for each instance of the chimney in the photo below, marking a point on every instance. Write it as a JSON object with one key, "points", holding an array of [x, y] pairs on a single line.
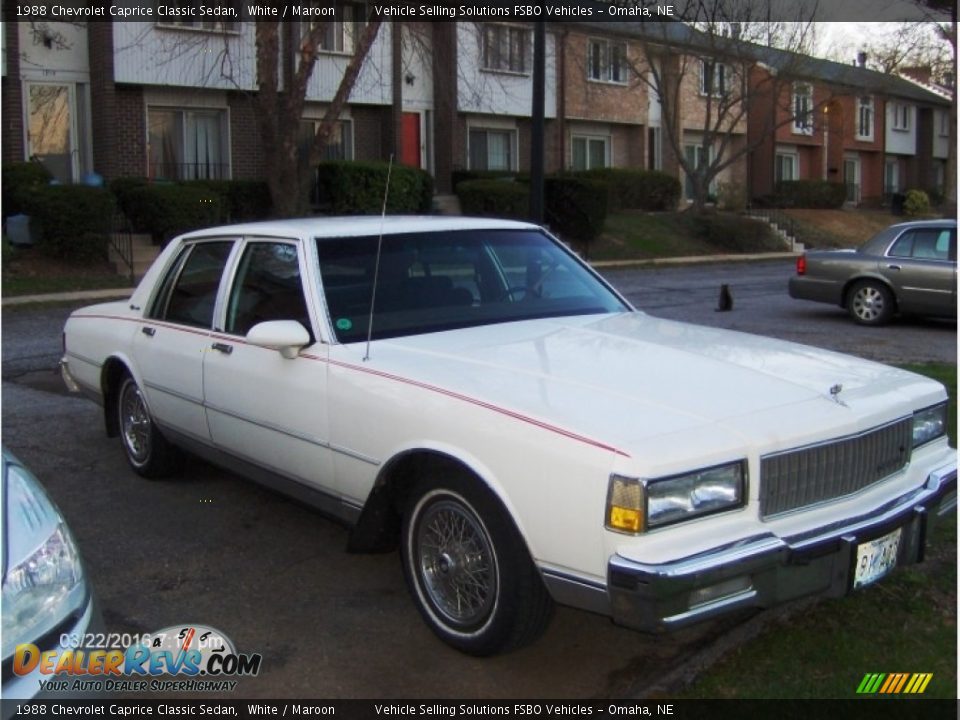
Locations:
{"points": [[861, 59]]}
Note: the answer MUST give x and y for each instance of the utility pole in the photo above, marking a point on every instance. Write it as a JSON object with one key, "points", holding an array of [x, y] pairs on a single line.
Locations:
{"points": [[536, 131]]}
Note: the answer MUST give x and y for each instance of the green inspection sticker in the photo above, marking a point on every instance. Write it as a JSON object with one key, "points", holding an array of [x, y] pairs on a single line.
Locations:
{"points": [[344, 324]]}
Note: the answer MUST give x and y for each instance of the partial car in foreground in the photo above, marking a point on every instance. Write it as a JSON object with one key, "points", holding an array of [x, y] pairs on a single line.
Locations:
{"points": [[46, 595], [470, 392], [909, 268]]}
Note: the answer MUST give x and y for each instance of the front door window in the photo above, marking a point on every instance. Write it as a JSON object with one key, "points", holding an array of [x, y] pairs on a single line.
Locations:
{"points": [[51, 129]]}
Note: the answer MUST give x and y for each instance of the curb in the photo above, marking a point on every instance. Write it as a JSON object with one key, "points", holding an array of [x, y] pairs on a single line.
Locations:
{"points": [[692, 260], [120, 293]]}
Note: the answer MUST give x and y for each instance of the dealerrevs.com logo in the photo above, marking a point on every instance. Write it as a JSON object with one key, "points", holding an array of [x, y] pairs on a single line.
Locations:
{"points": [[186, 657], [894, 683]]}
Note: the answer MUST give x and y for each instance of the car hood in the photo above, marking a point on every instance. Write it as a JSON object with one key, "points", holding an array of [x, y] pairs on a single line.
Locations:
{"points": [[631, 380]]}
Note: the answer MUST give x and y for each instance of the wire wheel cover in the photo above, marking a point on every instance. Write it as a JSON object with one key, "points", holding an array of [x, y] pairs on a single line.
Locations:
{"points": [[456, 563]]}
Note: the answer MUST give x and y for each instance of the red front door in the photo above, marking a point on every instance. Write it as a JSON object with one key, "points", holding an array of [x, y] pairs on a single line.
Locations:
{"points": [[410, 139]]}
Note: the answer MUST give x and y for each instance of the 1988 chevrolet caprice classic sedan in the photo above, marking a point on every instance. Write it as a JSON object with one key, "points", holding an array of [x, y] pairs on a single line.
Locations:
{"points": [[510, 422]]}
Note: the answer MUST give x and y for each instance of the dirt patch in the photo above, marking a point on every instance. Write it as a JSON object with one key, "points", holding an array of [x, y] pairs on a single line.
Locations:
{"points": [[847, 228]]}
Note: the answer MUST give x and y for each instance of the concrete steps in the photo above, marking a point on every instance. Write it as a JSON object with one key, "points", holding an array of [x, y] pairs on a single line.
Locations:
{"points": [[789, 240], [446, 205], [142, 249]]}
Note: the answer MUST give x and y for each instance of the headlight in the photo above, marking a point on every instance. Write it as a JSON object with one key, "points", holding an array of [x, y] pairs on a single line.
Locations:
{"points": [[634, 505], [44, 584], [929, 424]]}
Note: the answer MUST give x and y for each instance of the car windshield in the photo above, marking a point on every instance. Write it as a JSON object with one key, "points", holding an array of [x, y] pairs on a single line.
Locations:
{"points": [[434, 281]]}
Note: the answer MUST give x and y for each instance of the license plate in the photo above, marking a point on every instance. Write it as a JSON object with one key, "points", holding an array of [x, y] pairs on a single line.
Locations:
{"points": [[876, 558]]}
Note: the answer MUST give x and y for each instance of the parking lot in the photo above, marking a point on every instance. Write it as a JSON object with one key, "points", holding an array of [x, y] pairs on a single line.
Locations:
{"points": [[212, 549]]}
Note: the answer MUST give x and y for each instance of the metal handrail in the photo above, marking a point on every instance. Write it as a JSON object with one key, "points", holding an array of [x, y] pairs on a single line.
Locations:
{"points": [[121, 238]]}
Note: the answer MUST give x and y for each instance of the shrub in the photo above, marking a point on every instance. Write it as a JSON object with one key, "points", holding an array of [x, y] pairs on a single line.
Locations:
{"points": [[734, 233], [576, 207], [916, 203], [356, 188], [633, 189], [240, 200], [168, 210], [936, 196], [814, 194], [494, 198], [72, 221], [122, 187], [459, 176], [732, 196], [19, 180]]}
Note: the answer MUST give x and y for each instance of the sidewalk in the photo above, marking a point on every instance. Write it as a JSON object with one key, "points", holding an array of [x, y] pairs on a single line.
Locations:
{"points": [[77, 295], [121, 293]]}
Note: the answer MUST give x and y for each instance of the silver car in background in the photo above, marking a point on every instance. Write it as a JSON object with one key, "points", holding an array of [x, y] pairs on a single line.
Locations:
{"points": [[908, 268]]}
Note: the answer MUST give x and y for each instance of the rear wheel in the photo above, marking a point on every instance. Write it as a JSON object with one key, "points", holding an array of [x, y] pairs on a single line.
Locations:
{"points": [[468, 569], [147, 451], [870, 302]]}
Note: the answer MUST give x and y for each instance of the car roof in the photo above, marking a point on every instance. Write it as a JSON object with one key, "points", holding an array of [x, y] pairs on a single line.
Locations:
{"points": [[926, 223], [360, 225]]}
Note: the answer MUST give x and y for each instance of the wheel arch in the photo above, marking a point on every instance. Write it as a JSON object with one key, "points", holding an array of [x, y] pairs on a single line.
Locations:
{"points": [[111, 375], [852, 282], [378, 528]]}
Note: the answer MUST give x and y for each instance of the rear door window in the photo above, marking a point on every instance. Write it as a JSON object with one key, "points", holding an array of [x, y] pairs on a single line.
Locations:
{"points": [[188, 294]]}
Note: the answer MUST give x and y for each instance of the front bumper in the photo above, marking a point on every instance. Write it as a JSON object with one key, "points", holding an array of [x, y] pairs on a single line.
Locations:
{"points": [[766, 570]]}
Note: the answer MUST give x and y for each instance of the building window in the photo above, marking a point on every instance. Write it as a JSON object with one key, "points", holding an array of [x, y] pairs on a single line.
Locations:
{"points": [[590, 152], [891, 176], [714, 78], [492, 149], [865, 118], [787, 167], [944, 129], [607, 61], [337, 36], [803, 109], [698, 156], [177, 12], [654, 149], [505, 48], [339, 143], [901, 116], [187, 144]]}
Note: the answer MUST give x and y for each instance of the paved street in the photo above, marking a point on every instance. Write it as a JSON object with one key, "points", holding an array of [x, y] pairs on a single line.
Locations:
{"points": [[761, 306], [273, 575]]}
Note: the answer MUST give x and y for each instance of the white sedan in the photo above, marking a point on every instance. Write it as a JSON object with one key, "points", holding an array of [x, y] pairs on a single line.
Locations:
{"points": [[470, 392]]}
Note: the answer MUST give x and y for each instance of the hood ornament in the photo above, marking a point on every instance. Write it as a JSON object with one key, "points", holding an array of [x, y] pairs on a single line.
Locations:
{"points": [[835, 391]]}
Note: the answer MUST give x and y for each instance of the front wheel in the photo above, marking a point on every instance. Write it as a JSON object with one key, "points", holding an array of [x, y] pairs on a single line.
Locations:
{"points": [[870, 303], [468, 570], [147, 451]]}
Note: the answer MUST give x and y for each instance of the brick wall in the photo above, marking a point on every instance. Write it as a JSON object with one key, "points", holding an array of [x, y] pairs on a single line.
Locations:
{"points": [[103, 100], [246, 159], [131, 131], [601, 101], [12, 89], [372, 132]]}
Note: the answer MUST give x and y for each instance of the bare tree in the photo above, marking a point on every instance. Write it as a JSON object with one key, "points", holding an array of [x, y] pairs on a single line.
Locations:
{"points": [[285, 62], [707, 76]]}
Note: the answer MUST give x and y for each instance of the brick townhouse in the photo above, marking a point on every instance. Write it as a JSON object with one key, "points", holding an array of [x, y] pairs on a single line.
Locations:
{"points": [[172, 100], [877, 133]]}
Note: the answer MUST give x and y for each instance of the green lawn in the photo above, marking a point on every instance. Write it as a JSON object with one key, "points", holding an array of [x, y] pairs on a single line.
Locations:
{"points": [[907, 623], [633, 235]]}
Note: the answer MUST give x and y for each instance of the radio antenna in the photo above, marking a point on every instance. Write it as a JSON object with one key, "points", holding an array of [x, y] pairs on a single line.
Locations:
{"points": [[376, 264]]}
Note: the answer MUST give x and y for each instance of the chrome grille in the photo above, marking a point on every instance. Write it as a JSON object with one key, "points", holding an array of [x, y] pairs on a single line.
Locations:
{"points": [[806, 476]]}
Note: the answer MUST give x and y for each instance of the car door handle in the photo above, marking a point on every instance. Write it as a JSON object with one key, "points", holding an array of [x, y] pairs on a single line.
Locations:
{"points": [[148, 331], [222, 347], [893, 267]]}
